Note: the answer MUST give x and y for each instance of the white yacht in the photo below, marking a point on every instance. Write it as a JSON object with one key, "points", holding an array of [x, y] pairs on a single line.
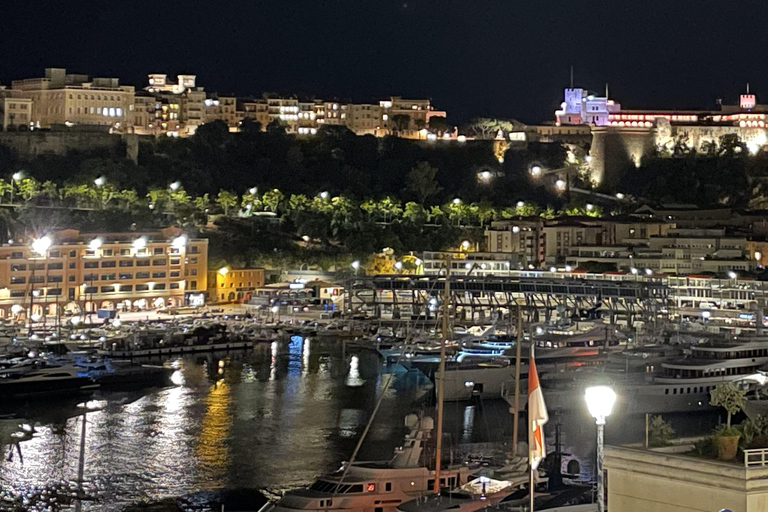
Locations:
{"points": [[375, 486], [480, 492]]}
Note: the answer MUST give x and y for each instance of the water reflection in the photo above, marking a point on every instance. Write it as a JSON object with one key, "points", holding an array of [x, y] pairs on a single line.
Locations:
{"points": [[273, 417]]}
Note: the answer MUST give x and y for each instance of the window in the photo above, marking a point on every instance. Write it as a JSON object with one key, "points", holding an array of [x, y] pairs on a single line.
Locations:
{"points": [[54, 254], [193, 285], [18, 280], [125, 252], [108, 277], [156, 275], [160, 286], [158, 250], [106, 252], [126, 288], [107, 289], [91, 277], [142, 263], [72, 264], [193, 272], [91, 264], [37, 279], [72, 278], [158, 262], [174, 286], [142, 287], [175, 261], [55, 279], [56, 266], [193, 261], [108, 264], [53, 291], [175, 273], [125, 275], [388, 486], [193, 249], [16, 267], [91, 289], [17, 293], [142, 275], [17, 255], [126, 263]]}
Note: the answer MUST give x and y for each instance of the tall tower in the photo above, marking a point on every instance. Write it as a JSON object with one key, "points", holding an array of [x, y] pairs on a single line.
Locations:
{"points": [[747, 101]]}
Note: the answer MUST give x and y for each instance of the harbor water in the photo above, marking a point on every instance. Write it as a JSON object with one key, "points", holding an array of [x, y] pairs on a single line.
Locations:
{"points": [[268, 419]]}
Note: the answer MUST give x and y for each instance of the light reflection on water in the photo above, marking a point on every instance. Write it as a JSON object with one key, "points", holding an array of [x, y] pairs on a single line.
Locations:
{"points": [[275, 418]]}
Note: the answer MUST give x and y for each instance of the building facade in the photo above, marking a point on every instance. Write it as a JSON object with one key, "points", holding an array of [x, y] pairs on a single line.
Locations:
{"points": [[88, 271], [60, 98], [230, 285]]}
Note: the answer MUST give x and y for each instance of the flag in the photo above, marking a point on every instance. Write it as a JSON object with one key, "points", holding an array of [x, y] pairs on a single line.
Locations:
{"points": [[537, 416]]}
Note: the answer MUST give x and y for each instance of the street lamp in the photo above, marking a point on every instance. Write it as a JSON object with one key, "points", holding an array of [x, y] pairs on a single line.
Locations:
{"points": [[731, 274], [41, 245], [179, 242], [560, 184], [223, 271], [485, 176], [536, 171], [520, 204], [100, 181], [175, 186], [324, 195], [465, 244], [600, 400], [253, 190], [457, 201], [140, 243], [95, 244], [398, 266], [355, 266]]}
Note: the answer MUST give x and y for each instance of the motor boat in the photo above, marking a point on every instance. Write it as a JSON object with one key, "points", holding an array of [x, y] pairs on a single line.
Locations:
{"points": [[44, 379]]}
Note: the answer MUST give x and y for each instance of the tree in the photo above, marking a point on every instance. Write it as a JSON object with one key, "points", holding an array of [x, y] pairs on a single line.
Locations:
{"points": [[276, 126], [226, 200], [400, 122], [488, 128], [419, 124], [729, 397], [272, 199], [731, 145], [659, 432], [438, 125], [421, 182], [414, 213]]}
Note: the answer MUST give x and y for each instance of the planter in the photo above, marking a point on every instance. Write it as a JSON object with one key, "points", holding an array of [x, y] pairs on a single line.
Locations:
{"points": [[727, 447]]}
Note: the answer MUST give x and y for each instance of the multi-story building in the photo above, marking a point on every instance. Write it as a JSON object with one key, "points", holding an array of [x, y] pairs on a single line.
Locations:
{"points": [[15, 112], [229, 285], [258, 110], [470, 263], [222, 108], [418, 111], [71, 271], [60, 98], [186, 107], [523, 237]]}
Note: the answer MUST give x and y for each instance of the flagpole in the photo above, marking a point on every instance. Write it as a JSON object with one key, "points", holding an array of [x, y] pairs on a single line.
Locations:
{"points": [[530, 433]]}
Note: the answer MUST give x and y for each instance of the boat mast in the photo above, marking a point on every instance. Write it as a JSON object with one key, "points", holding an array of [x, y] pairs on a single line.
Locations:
{"points": [[441, 383], [518, 348]]}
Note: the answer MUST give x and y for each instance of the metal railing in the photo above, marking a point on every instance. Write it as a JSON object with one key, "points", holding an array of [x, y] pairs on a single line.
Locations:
{"points": [[756, 458]]}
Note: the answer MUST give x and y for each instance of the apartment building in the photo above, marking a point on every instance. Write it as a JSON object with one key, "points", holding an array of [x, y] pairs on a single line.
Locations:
{"points": [[15, 112], [223, 108], [470, 263], [71, 271], [258, 110], [185, 109], [230, 285], [522, 236], [60, 98], [678, 251]]}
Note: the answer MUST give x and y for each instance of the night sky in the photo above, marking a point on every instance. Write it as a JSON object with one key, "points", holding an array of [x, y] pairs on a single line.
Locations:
{"points": [[499, 58]]}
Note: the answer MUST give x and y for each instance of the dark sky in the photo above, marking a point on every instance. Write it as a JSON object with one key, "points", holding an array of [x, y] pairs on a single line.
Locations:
{"points": [[504, 58]]}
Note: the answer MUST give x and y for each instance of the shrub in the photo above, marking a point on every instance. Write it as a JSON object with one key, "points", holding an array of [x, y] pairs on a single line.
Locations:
{"points": [[659, 432]]}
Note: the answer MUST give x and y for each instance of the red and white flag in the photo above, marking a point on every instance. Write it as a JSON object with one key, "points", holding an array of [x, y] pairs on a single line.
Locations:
{"points": [[537, 416]]}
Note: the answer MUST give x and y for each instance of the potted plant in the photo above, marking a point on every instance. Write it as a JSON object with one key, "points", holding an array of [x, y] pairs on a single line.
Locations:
{"points": [[659, 432], [730, 398], [727, 441]]}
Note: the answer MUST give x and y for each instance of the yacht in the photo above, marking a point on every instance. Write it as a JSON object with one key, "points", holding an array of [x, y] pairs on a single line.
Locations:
{"points": [[375, 486], [480, 492], [43, 379], [674, 384]]}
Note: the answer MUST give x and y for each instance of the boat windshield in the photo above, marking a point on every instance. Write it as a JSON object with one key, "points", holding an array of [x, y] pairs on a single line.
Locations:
{"points": [[335, 487]]}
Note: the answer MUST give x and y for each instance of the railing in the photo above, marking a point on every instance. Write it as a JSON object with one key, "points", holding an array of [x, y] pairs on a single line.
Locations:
{"points": [[756, 458]]}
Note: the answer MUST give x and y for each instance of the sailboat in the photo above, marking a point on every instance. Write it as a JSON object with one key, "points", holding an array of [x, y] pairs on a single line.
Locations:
{"points": [[382, 486]]}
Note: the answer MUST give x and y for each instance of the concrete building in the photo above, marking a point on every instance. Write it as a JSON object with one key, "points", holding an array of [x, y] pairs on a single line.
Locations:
{"points": [[466, 263], [258, 110], [60, 98], [90, 271], [522, 237], [663, 481], [222, 108], [15, 111], [185, 102], [229, 285]]}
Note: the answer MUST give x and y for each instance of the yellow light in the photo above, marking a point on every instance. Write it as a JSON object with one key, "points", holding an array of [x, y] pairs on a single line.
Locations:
{"points": [[223, 271]]}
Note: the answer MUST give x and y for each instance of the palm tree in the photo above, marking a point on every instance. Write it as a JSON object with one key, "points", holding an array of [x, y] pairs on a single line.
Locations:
{"points": [[226, 200]]}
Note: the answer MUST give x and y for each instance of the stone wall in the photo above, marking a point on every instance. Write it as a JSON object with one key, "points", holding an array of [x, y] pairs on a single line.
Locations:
{"points": [[29, 144], [614, 150]]}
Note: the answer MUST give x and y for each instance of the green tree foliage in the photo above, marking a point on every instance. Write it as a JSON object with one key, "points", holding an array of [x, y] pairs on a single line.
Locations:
{"points": [[729, 397], [400, 122], [421, 182], [659, 432]]}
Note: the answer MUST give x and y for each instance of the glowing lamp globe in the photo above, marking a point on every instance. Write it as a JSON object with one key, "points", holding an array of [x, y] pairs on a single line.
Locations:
{"points": [[41, 245], [600, 400]]}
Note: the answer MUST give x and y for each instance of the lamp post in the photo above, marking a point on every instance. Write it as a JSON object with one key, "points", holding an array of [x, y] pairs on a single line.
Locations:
{"points": [[600, 400], [14, 178], [40, 246]]}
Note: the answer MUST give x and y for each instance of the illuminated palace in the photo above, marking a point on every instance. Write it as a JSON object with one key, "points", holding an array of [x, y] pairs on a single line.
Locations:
{"points": [[620, 136], [67, 271]]}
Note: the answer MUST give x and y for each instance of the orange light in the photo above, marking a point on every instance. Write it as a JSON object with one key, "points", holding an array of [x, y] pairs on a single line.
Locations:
{"points": [[371, 487]]}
